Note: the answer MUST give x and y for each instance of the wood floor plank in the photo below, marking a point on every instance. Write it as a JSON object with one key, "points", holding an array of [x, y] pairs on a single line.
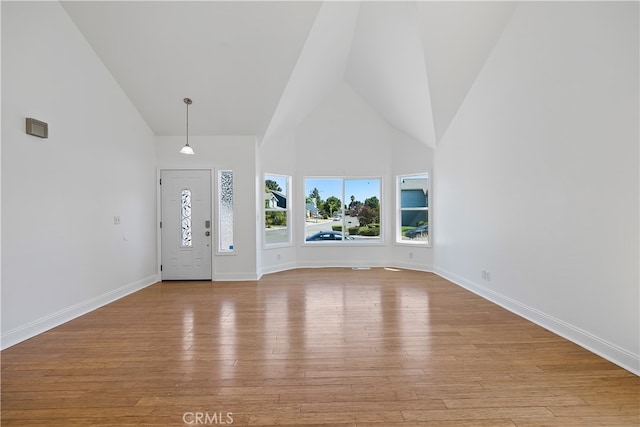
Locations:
{"points": [[311, 347], [443, 423], [477, 414]]}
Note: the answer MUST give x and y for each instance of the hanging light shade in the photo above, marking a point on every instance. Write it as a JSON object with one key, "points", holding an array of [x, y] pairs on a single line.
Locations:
{"points": [[187, 148]]}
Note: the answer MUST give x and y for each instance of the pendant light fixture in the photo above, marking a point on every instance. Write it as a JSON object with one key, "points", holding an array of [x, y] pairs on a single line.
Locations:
{"points": [[187, 148]]}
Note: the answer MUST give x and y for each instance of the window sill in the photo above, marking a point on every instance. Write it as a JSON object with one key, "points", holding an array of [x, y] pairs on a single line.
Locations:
{"points": [[346, 243]]}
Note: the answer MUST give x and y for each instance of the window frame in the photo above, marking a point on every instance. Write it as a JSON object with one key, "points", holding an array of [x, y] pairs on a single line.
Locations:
{"points": [[287, 210], [377, 241], [399, 210]]}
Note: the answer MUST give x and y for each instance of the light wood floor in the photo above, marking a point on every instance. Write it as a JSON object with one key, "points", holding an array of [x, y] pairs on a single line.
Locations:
{"points": [[331, 347]]}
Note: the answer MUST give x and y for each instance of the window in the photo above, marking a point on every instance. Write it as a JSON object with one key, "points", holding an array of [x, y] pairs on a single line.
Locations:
{"points": [[225, 211], [185, 218], [277, 230], [338, 209], [413, 207]]}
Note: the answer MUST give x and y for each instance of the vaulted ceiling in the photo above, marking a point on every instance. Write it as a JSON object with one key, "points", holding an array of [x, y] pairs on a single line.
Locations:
{"points": [[259, 68]]}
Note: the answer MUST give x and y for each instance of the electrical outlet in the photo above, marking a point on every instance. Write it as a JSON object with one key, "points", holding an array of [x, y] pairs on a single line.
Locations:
{"points": [[488, 276], [410, 254], [116, 220]]}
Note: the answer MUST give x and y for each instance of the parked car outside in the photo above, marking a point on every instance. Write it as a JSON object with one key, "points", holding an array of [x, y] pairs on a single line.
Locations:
{"points": [[419, 231], [328, 235]]}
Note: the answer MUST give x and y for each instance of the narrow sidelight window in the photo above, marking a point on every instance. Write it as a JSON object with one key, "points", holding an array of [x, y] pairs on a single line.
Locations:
{"points": [[225, 211]]}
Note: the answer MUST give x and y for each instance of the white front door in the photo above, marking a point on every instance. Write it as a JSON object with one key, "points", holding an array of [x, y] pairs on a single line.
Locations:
{"points": [[186, 224]]}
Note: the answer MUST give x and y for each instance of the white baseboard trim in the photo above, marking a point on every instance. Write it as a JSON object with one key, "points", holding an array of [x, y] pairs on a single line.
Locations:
{"points": [[31, 329], [333, 264], [597, 345], [236, 277], [278, 268], [414, 267]]}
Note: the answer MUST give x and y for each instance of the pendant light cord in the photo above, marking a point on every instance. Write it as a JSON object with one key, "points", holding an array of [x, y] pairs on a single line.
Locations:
{"points": [[188, 102]]}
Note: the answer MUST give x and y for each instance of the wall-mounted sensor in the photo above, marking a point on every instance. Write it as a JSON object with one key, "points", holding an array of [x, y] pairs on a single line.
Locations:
{"points": [[37, 128]]}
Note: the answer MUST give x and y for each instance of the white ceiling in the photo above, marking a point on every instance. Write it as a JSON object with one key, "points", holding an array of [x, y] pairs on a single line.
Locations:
{"points": [[260, 67]]}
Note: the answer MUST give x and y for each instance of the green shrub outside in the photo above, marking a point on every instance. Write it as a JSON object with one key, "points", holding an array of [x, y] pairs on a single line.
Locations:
{"points": [[369, 231], [275, 218]]}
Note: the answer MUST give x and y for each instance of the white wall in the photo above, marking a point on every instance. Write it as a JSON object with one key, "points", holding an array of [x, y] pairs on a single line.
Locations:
{"points": [[345, 137], [236, 153], [537, 180], [342, 137], [62, 254]]}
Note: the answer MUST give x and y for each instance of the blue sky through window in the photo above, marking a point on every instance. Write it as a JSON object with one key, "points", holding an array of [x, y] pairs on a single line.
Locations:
{"points": [[362, 189], [281, 180]]}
